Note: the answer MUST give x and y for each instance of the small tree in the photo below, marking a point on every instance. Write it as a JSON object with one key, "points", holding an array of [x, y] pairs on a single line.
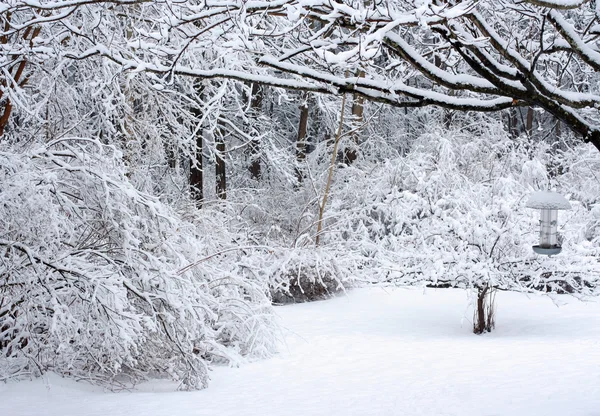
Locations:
{"points": [[452, 214]]}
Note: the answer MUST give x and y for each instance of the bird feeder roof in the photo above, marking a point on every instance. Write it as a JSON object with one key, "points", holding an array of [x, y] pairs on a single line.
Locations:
{"points": [[547, 200]]}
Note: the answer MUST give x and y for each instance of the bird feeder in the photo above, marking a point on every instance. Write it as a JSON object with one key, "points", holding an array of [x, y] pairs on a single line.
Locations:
{"points": [[549, 203]]}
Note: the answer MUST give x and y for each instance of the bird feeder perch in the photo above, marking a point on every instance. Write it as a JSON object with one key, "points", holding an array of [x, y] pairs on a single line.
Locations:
{"points": [[549, 203]]}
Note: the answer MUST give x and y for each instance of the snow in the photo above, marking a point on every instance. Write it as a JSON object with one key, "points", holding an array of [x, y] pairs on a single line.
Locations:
{"points": [[378, 352], [547, 200], [561, 4], [380, 88], [459, 81], [567, 30]]}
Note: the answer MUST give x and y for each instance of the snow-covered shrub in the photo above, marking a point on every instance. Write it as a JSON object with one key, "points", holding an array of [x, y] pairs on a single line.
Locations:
{"points": [[592, 231], [579, 179], [95, 276], [306, 274], [452, 213], [296, 270]]}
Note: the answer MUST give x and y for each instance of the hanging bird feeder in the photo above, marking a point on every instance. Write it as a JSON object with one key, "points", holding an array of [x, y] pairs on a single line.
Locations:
{"points": [[549, 203]]}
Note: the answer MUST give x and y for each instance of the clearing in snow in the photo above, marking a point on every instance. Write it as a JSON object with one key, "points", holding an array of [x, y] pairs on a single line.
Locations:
{"points": [[378, 352]]}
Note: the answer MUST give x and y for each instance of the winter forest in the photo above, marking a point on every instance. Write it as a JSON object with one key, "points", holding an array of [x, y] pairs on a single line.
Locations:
{"points": [[173, 171]]}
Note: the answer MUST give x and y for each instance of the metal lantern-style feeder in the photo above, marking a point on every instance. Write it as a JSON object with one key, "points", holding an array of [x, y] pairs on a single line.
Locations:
{"points": [[549, 203]]}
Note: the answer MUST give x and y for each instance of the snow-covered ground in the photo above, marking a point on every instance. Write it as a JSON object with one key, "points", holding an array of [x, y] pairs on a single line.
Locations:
{"points": [[378, 352]]}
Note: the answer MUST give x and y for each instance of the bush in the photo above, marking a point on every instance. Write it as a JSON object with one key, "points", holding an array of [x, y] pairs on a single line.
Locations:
{"points": [[303, 275], [93, 282]]}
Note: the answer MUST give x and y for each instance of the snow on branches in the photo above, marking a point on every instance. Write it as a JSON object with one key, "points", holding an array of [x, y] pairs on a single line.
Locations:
{"points": [[464, 55], [452, 213], [89, 282]]}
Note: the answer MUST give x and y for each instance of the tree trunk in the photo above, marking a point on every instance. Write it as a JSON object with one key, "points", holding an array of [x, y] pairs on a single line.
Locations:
{"points": [[358, 107], [513, 128], [557, 131], [220, 172], [17, 78], [196, 164], [255, 107], [336, 142], [484, 317], [301, 138], [197, 172], [529, 121], [5, 116]]}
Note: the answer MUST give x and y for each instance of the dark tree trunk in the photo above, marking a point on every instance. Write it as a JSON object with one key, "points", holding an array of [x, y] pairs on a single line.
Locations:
{"points": [[196, 165], [529, 121], [483, 321], [18, 77], [255, 107], [220, 172], [5, 116], [301, 138], [197, 172]]}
